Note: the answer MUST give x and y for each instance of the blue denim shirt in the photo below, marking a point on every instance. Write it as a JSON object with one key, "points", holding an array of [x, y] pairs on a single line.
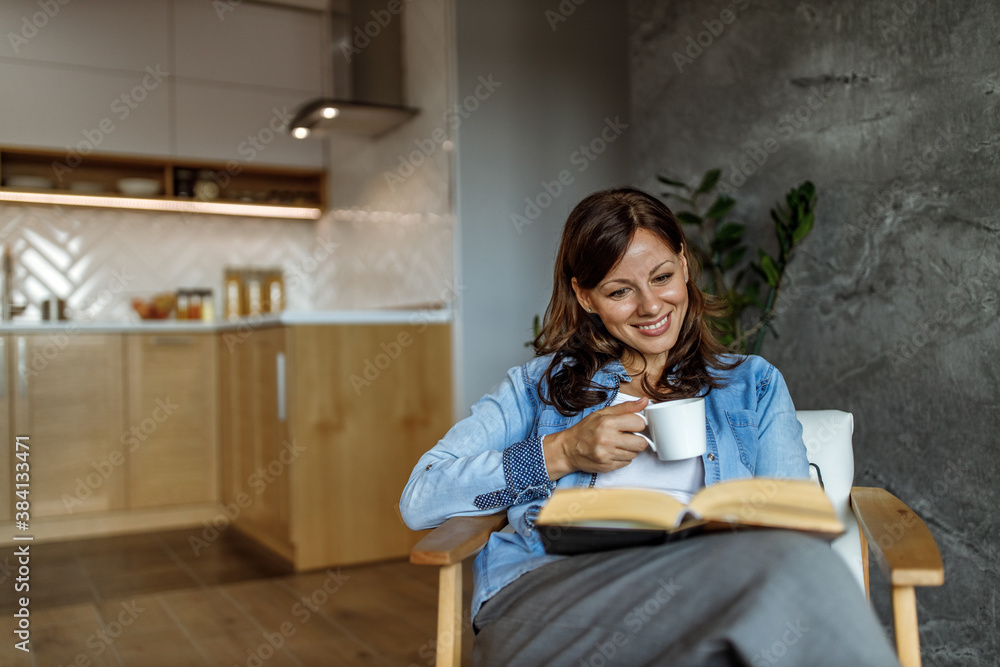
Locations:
{"points": [[493, 459]]}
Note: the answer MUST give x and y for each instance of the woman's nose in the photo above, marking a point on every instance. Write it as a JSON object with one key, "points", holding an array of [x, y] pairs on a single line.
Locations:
{"points": [[649, 303]]}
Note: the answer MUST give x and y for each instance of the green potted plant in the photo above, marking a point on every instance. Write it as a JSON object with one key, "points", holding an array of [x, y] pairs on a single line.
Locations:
{"points": [[751, 288]]}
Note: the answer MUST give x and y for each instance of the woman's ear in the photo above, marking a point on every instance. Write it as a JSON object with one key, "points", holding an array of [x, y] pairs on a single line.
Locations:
{"points": [[684, 263], [582, 296]]}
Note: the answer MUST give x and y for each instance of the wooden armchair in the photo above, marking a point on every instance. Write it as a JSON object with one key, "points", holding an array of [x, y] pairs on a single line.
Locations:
{"points": [[876, 521]]}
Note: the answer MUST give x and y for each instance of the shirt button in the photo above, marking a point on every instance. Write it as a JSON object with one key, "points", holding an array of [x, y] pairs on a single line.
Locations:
{"points": [[428, 466], [711, 457]]}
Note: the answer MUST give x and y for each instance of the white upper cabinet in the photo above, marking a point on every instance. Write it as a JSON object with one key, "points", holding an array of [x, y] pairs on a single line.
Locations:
{"points": [[216, 122], [114, 34], [86, 111], [165, 78], [249, 44]]}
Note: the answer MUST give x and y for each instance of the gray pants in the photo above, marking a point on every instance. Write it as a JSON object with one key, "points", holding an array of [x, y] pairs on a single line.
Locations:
{"points": [[755, 598]]}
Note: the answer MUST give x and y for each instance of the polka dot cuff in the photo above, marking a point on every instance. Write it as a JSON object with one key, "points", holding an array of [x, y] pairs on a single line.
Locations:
{"points": [[525, 474]]}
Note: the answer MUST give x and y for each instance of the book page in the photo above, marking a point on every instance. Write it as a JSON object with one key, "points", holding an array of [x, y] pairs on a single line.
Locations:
{"points": [[783, 503], [626, 507]]}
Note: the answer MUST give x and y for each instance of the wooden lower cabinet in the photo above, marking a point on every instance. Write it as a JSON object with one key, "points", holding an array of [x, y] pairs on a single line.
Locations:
{"points": [[255, 477], [171, 433], [65, 391], [7, 459], [333, 438]]}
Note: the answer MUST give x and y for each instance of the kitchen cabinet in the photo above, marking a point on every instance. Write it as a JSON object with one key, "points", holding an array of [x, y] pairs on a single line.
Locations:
{"points": [[253, 45], [255, 434], [74, 112], [341, 422], [65, 392], [172, 427], [7, 458]]}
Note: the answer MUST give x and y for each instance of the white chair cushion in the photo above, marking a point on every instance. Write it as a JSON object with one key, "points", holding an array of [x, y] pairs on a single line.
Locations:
{"points": [[827, 436]]}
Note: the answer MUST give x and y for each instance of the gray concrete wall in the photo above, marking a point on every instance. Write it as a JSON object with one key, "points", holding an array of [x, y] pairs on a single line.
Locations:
{"points": [[547, 132], [892, 110]]}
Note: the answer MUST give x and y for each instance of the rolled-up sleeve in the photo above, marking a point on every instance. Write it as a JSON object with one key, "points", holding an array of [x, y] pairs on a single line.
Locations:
{"points": [[486, 462]]}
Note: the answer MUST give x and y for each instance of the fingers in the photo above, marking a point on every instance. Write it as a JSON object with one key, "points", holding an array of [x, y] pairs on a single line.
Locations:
{"points": [[626, 407]]}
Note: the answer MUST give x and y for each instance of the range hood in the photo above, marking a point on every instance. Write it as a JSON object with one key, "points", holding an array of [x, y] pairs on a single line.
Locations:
{"points": [[366, 65]]}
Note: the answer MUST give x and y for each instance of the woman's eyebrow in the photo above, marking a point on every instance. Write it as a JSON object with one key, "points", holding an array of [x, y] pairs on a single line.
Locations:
{"points": [[658, 266], [625, 280]]}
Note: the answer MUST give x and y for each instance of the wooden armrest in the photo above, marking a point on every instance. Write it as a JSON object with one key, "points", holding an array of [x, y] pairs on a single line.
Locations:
{"points": [[456, 539], [902, 545]]}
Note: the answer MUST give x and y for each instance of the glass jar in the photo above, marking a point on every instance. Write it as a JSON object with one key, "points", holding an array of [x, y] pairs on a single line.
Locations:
{"points": [[207, 306], [182, 304], [233, 294]]}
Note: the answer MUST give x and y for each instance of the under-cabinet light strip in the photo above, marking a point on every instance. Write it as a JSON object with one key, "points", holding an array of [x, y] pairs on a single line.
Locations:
{"points": [[174, 206]]}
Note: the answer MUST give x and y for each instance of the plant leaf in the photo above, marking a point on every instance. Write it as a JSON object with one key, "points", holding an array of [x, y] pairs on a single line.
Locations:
{"points": [[670, 181], [689, 218], [730, 231], [808, 190], [708, 182], [779, 217], [733, 258], [805, 226], [680, 198], [722, 205], [771, 273]]}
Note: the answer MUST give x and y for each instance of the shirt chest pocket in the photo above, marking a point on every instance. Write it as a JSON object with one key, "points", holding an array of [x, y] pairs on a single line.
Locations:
{"points": [[743, 424], [549, 426]]}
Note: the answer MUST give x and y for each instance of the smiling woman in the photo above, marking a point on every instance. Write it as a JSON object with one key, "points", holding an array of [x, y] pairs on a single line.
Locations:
{"points": [[627, 324], [624, 288]]}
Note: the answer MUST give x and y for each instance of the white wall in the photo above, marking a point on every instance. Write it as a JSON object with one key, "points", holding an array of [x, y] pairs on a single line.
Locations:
{"points": [[559, 80], [391, 196]]}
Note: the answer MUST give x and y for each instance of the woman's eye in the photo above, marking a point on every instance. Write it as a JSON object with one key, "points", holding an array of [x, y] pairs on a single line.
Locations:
{"points": [[663, 278], [619, 293]]}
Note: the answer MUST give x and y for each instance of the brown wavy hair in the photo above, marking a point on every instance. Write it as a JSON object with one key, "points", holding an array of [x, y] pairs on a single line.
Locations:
{"points": [[595, 238]]}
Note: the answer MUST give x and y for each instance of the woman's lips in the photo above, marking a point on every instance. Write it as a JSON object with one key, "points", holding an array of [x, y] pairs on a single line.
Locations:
{"points": [[656, 328]]}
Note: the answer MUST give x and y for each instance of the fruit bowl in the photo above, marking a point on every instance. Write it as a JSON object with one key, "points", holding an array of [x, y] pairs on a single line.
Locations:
{"points": [[157, 307]]}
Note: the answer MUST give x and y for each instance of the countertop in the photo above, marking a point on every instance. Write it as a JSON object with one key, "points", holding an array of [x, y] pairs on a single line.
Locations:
{"points": [[287, 318]]}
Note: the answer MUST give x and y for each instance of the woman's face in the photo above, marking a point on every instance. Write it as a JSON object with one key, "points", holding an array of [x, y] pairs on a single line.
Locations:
{"points": [[643, 300]]}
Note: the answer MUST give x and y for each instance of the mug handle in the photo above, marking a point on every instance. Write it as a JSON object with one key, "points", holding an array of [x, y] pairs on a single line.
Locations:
{"points": [[652, 445]]}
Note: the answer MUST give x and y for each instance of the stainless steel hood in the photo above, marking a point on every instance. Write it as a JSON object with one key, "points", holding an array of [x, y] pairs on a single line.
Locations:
{"points": [[366, 65]]}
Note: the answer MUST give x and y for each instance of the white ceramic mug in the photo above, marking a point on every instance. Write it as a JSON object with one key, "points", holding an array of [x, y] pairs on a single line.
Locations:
{"points": [[677, 427]]}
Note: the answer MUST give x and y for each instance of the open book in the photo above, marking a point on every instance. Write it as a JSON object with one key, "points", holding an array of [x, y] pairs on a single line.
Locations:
{"points": [[583, 519]]}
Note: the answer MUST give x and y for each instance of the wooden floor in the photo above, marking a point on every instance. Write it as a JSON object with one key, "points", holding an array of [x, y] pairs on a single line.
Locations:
{"points": [[148, 600]]}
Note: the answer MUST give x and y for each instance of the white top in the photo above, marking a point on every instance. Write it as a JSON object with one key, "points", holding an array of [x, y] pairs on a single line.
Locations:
{"points": [[681, 479]]}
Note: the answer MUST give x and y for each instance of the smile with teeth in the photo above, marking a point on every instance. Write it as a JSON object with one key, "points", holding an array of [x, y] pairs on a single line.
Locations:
{"points": [[654, 325]]}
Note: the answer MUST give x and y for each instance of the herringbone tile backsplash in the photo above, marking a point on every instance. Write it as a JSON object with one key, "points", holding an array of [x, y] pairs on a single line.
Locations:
{"points": [[98, 259]]}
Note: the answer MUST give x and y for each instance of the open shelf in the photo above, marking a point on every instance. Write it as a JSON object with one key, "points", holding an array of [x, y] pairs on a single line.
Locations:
{"points": [[231, 188]]}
